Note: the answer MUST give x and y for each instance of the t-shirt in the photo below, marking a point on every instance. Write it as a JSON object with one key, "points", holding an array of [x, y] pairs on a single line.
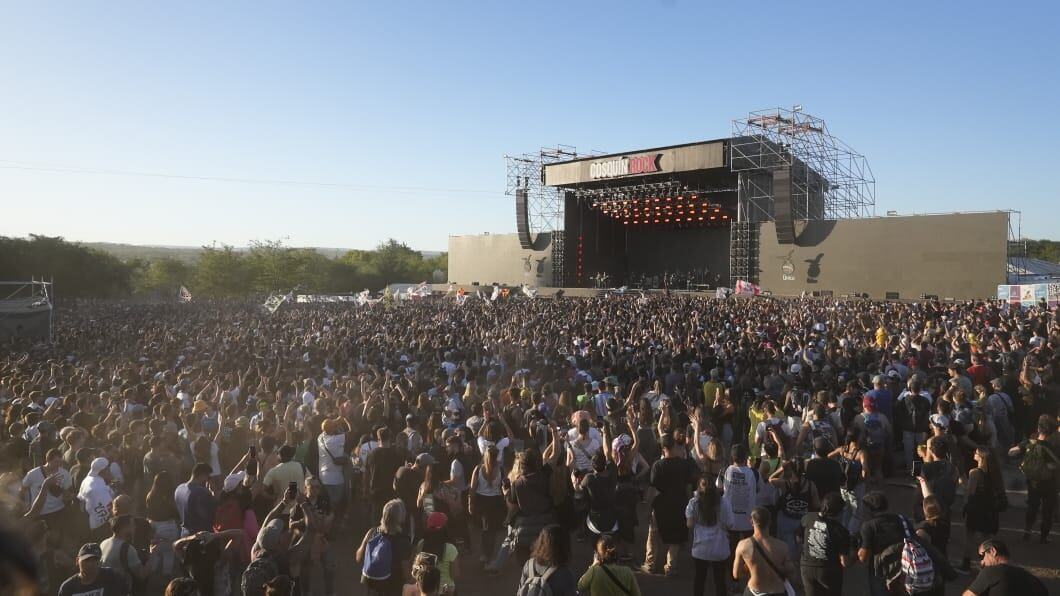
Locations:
{"points": [[112, 551], [826, 474], [95, 495], [880, 532], [380, 467], [824, 539], [107, 583], [740, 485], [280, 476], [1006, 580], [336, 445], [196, 506], [34, 481]]}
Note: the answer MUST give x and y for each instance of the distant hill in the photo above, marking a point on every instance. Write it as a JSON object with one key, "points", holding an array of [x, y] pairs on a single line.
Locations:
{"points": [[190, 254]]}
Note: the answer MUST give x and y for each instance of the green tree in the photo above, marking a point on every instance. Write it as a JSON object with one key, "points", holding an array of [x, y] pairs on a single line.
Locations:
{"points": [[222, 271]]}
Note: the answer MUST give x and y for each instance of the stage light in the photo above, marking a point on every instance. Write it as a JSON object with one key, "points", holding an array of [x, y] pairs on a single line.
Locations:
{"points": [[700, 218], [712, 218]]}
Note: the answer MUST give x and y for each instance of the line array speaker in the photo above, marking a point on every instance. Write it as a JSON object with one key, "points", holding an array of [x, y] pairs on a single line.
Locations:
{"points": [[782, 212], [522, 218]]}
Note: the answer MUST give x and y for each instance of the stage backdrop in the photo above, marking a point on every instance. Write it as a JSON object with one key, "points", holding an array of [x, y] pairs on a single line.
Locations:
{"points": [[958, 255]]}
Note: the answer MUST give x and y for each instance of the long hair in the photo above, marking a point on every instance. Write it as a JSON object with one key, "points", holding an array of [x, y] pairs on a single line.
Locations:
{"points": [[552, 547], [489, 461], [393, 519], [707, 497], [607, 549]]}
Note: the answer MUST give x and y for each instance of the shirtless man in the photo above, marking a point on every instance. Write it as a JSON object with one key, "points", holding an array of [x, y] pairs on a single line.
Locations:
{"points": [[764, 558]]}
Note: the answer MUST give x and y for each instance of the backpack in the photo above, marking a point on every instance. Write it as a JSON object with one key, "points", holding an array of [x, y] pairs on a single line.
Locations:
{"points": [[852, 472], [1037, 461], [135, 585], [260, 571], [536, 585], [918, 570], [823, 429], [919, 409], [781, 433], [413, 441], [378, 557], [875, 437]]}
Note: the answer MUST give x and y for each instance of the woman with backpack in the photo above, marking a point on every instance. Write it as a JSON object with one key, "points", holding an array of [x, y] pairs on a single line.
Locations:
{"points": [[710, 525], [606, 577], [852, 460], [547, 565], [385, 553]]}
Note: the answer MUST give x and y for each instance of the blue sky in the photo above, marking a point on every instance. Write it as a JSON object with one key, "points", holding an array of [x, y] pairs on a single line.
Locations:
{"points": [[412, 105]]}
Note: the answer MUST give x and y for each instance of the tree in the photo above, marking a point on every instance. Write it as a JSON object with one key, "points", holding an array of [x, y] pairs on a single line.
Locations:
{"points": [[222, 272], [164, 275]]}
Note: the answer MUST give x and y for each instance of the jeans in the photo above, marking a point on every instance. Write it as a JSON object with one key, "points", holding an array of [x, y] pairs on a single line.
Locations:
{"points": [[910, 440], [822, 581], [700, 581]]}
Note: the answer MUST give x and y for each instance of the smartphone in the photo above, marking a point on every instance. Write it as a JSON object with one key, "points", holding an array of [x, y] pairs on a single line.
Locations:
{"points": [[918, 468]]}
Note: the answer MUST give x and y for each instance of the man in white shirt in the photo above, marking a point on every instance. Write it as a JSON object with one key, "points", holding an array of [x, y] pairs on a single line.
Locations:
{"points": [[739, 486], [34, 481], [96, 495]]}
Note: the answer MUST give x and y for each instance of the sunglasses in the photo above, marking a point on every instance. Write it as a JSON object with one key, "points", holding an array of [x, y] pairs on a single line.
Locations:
{"points": [[982, 555]]}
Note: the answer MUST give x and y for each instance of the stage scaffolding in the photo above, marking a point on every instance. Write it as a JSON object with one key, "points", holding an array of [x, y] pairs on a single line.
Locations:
{"points": [[829, 180], [544, 204]]}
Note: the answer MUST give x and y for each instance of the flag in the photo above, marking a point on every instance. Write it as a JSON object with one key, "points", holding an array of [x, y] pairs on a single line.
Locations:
{"points": [[746, 287], [461, 299], [185, 295], [274, 302], [496, 293], [529, 292]]}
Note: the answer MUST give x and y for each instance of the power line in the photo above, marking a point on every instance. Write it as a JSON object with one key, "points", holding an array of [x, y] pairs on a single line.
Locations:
{"points": [[64, 169]]}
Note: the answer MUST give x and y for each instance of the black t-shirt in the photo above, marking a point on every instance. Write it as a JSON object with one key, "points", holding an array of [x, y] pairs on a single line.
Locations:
{"points": [[824, 539], [1006, 580], [880, 532], [407, 481], [380, 467], [942, 480], [107, 583], [826, 474]]}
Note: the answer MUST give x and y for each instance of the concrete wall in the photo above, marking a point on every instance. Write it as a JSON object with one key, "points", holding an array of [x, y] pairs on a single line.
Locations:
{"points": [[957, 255], [489, 258], [686, 158]]}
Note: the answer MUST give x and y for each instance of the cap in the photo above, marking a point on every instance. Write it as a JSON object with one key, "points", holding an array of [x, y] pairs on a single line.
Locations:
{"points": [[795, 368], [437, 520], [98, 465], [89, 550], [596, 384], [425, 459], [894, 374], [940, 420]]}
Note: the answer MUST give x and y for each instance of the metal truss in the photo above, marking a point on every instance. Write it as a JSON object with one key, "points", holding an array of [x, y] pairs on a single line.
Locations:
{"points": [[743, 252], [544, 203], [829, 179]]}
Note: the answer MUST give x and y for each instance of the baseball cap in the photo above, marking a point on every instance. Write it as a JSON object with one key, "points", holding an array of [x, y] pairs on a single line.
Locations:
{"points": [[425, 459], [940, 420], [97, 466], [232, 481], [437, 520], [893, 374], [796, 368], [89, 550]]}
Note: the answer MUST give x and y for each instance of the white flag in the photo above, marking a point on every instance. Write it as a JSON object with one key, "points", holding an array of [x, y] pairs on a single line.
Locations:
{"points": [[496, 293], [185, 295], [529, 292], [461, 299]]}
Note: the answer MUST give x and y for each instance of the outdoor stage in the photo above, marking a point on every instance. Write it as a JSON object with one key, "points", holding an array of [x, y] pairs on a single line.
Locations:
{"points": [[781, 203]]}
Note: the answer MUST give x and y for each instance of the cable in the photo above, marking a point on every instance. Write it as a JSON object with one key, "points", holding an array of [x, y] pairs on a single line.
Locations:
{"points": [[40, 167]]}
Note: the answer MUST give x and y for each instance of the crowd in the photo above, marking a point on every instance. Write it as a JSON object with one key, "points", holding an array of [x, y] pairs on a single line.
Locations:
{"points": [[214, 448]]}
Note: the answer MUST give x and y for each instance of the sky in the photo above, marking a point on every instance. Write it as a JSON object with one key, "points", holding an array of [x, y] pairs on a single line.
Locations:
{"points": [[343, 124]]}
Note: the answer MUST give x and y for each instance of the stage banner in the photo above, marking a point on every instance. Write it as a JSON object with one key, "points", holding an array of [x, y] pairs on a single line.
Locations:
{"points": [[1028, 295]]}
